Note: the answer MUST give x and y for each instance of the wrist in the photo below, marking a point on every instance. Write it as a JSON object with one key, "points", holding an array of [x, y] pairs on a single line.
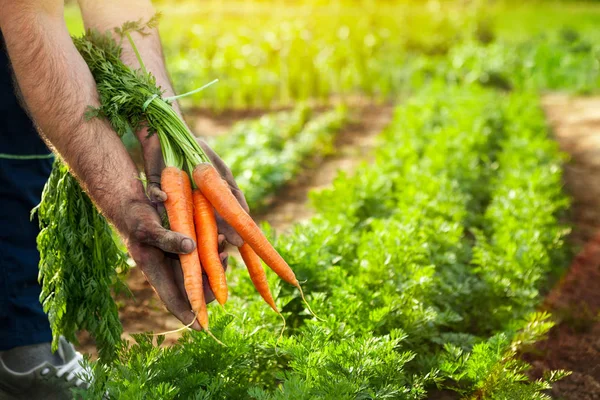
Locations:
{"points": [[118, 205]]}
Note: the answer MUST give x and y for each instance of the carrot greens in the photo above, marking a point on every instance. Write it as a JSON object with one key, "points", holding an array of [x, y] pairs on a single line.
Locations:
{"points": [[79, 260]]}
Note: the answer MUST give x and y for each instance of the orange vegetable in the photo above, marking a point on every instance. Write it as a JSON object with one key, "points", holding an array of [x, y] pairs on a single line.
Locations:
{"points": [[208, 246], [218, 193], [257, 274], [176, 184]]}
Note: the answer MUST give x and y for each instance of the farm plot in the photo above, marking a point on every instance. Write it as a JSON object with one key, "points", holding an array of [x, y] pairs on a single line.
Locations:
{"points": [[426, 268], [428, 265]]}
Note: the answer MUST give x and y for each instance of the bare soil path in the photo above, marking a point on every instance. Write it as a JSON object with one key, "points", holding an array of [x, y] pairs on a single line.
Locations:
{"points": [[355, 144], [574, 344]]}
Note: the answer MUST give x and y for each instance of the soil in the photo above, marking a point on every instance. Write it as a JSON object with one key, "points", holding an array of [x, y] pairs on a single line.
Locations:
{"points": [[145, 312], [354, 145], [574, 343]]}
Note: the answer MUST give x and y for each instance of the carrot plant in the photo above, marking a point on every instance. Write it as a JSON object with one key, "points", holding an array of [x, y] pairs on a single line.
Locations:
{"points": [[296, 53], [266, 153], [344, 49]]}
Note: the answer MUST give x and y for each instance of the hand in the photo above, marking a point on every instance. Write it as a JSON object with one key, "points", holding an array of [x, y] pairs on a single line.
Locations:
{"points": [[153, 165], [157, 259], [155, 249]]}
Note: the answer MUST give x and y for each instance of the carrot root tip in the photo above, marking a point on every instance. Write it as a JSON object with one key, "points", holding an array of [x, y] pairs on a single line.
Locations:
{"points": [[227, 312], [308, 305], [188, 326], [215, 338], [282, 330]]}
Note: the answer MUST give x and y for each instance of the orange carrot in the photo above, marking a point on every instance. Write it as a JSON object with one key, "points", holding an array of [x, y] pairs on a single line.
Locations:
{"points": [[218, 193], [176, 184], [208, 246], [257, 274]]}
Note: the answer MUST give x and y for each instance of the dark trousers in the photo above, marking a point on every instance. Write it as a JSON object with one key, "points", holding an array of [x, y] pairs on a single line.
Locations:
{"points": [[22, 320]]}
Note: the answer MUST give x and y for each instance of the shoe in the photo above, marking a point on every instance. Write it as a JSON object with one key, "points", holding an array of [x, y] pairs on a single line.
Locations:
{"points": [[46, 381]]}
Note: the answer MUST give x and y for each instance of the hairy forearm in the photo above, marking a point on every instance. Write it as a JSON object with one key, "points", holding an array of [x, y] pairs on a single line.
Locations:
{"points": [[57, 87], [109, 14]]}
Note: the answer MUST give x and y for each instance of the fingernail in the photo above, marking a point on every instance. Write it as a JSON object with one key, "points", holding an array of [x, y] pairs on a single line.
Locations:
{"points": [[187, 245]]}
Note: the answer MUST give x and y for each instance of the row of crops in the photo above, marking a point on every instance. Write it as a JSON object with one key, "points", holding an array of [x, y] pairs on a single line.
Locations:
{"points": [[426, 268], [266, 153], [378, 50]]}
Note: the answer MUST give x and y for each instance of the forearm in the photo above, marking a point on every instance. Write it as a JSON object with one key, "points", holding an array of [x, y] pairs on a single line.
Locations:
{"points": [[57, 87], [108, 14]]}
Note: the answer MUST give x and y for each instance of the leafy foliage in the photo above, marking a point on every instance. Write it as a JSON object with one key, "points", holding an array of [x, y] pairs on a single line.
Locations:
{"points": [[266, 153], [320, 52], [302, 52], [426, 267], [79, 261], [492, 370], [276, 54], [123, 92], [563, 60]]}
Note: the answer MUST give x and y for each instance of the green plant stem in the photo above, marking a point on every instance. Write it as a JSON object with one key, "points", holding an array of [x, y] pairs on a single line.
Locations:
{"points": [[137, 53], [173, 98]]}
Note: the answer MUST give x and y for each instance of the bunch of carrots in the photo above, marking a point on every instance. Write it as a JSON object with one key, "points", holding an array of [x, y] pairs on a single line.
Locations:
{"points": [[191, 205], [131, 99]]}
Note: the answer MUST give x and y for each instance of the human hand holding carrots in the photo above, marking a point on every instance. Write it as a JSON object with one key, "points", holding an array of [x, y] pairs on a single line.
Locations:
{"points": [[203, 198], [188, 165], [215, 262], [150, 245]]}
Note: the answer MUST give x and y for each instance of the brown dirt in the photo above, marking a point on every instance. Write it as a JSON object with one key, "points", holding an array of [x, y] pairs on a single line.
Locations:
{"points": [[354, 145], [574, 344], [145, 312], [206, 123]]}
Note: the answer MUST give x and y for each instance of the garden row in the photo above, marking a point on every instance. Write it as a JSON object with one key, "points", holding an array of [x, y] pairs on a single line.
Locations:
{"points": [[426, 268], [268, 152], [322, 52]]}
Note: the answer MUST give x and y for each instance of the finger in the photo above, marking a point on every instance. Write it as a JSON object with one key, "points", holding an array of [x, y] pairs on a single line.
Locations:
{"points": [[224, 256], [162, 213], [153, 164], [153, 234], [179, 280], [209, 296], [178, 275], [239, 195], [160, 275], [155, 193], [221, 243]]}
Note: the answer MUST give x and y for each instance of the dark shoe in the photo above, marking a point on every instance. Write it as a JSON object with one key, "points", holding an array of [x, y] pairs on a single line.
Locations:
{"points": [[45, 381]]}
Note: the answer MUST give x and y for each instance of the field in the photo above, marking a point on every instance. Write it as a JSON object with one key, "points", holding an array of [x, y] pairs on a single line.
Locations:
{"points": [[428, 171]]}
